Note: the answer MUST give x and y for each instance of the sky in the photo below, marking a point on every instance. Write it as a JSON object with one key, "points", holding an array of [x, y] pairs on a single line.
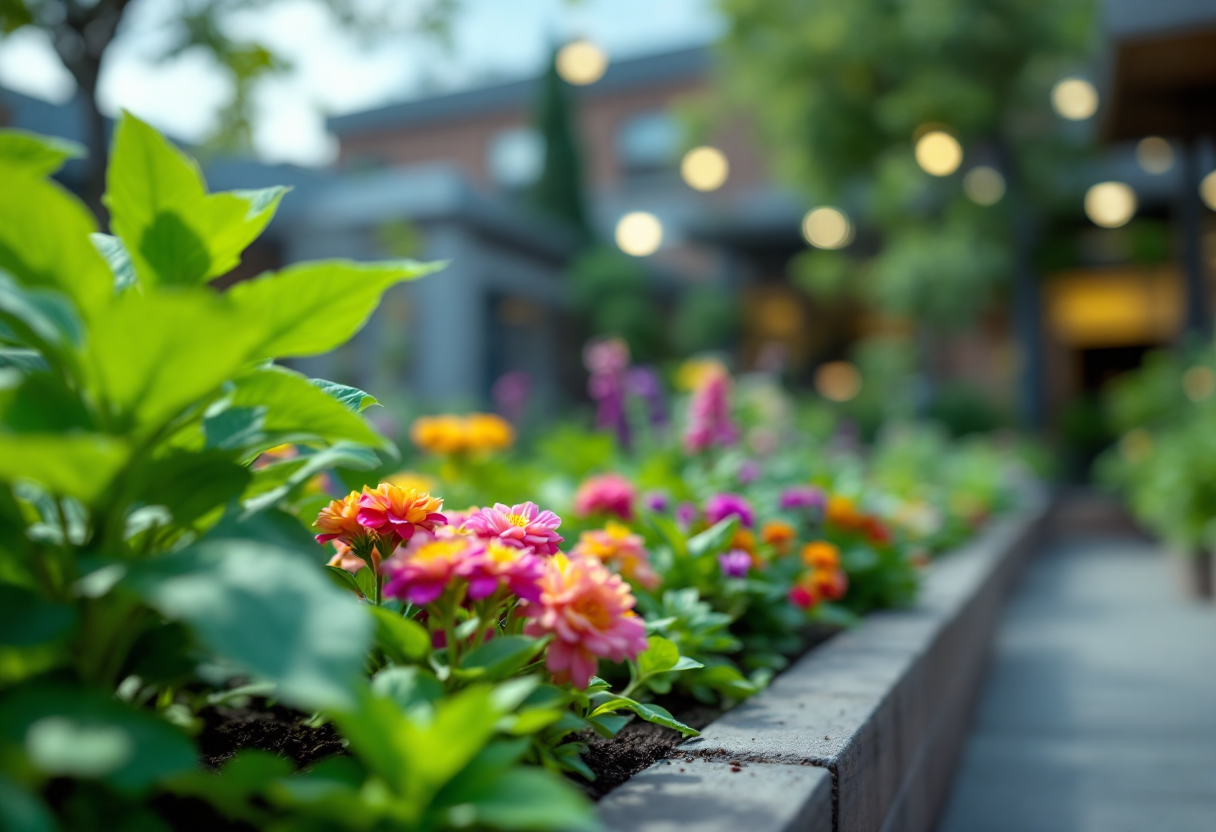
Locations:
{"points": [[335, 73]]}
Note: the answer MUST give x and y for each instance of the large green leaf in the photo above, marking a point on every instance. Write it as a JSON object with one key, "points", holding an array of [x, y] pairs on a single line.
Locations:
{"points": [[402, 639], [22, 811], [44, 239], [312, 308], [26, 619], [78, 732], [268, 610], [153, 354], [272, 483], [523, 798], [190, 484], [77, 465], [40, 155], [40, 319], [295, 410], [175, 232]]}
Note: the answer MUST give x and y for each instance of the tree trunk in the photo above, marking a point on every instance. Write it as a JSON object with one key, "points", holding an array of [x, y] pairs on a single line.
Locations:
{"points": [[95, 139]]}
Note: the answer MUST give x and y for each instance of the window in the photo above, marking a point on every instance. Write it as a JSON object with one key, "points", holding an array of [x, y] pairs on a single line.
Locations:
{"points": [[515, 157], [648, 142]]}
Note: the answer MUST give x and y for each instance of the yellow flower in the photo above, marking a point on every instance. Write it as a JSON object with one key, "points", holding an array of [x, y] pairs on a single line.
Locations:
{"points": [[693, 372], [452, 434], [407, 480]]}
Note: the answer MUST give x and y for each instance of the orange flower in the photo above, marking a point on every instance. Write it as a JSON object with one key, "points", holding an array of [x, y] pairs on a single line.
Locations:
{"points": [[452, 434], [779, 535], [391, 510], [340, 519], [819, 554], [830, 584], [842, 512]]}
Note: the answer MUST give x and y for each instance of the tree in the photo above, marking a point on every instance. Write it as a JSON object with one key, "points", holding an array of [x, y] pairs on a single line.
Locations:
{"points": [[840, 91], [83, 31], [559, 190]]}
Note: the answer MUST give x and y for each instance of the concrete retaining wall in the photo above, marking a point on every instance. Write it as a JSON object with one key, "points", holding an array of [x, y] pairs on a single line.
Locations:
{"points": [[862, 734]]}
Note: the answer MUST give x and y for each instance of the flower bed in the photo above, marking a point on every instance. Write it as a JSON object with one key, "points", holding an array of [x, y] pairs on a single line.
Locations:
{"points": [[494, 613]]}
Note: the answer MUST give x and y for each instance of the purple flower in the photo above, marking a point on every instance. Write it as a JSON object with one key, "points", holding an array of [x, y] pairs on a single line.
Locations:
{"points": [[644, 382], [735, 563], [687, 514], [656, 501], [749, 471], [721, 506], [607, 360], [802, 497]]}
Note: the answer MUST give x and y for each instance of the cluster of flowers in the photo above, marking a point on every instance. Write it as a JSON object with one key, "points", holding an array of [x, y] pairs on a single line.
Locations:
{"points": [[504, 563], [472, 433]]}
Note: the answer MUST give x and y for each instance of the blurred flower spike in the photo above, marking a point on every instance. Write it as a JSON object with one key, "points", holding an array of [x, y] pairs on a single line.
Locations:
{"points": [[709, 413], [589, 612], [473, 433]]}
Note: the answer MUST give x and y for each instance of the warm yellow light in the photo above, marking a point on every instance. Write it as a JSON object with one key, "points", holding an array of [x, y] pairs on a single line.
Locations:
{"points": [[1199, 383], [938, 153], [581, 62], [1154, 154], [1110, 204], [984, 185], [1207, 190], [838, 381], [639, 233], [827, 227], [1074, 98], [705, 168]]}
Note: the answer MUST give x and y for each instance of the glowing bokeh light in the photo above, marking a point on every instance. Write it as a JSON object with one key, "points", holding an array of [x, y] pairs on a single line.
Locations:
{"points": [[581, 62], [639, 233], [1199, 383], [827, 227], [838, 381], [1154, 154], [1207, 190], [705, 168], [984, 185], [938, 153], [1110, 204], [1074, 99]]}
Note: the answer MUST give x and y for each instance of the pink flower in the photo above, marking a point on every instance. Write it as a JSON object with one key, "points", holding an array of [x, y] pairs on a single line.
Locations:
{"points": [[521, 526], [721, 506], [589, 612], [735, 563], [802, 497], [605, 494], [618, 547], [709, 417], [421, 572], [398, 512], [499, 565]]}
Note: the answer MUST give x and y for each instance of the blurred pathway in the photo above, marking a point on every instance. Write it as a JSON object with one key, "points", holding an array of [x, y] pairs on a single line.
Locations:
{"points": [[1099, 711]]}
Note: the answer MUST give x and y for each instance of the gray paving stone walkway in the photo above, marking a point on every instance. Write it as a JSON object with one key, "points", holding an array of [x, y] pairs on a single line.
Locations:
{"points": [[1099, 711]]}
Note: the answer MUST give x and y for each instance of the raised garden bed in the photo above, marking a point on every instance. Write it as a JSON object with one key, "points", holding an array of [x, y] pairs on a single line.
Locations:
{"points": [[860, 734]]}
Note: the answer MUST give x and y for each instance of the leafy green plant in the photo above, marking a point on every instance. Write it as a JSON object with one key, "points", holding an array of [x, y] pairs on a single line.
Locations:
{"points": [[147, 559]]}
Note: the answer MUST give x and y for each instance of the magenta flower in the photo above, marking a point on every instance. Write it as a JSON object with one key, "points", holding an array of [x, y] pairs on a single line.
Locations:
{"points": [[421, 572], [721, 506], [735, 563], [802, 497], [605, 494], [521, 526], [502, 565]]}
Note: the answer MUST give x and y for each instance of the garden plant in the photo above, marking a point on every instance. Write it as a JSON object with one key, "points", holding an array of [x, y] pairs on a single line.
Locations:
{"points": [[198, 539]]}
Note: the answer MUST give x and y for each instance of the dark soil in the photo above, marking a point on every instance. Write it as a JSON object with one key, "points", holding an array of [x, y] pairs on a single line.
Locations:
{"points": [[275, 729]]}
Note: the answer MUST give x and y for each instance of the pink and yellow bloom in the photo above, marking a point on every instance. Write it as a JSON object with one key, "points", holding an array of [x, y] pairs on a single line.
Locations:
{"points": [[605, 494], [500, 565], [589, 612], [523, 525], [421, 571], [621, 549], [398, 512]]}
